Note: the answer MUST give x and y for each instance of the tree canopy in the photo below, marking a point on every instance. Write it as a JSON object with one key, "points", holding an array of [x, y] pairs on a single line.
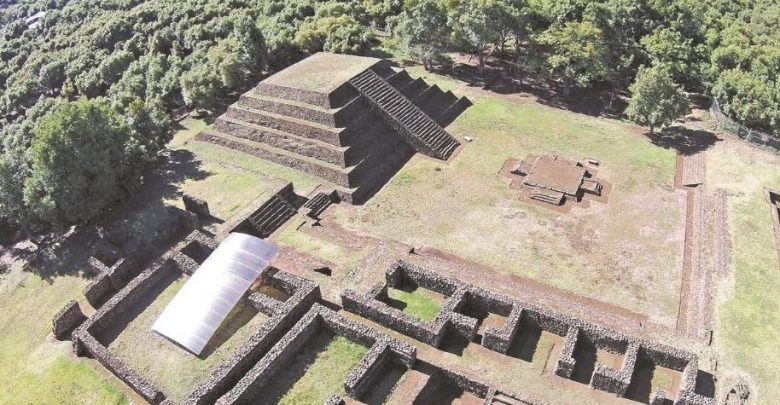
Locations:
{"points": [[656, 100]]}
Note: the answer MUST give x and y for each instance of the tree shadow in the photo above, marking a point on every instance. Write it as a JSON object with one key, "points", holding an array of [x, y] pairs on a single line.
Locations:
{"points": [[684, 140], [593, 101], [242, 316], [131, 225]]}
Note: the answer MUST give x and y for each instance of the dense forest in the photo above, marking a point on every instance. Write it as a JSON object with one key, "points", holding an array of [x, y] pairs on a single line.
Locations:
{"points": [[87, 87]]}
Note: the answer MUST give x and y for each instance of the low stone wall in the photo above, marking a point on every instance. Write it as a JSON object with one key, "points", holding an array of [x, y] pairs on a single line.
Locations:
{"points": [[501, 339], [616, 381], [374, 306], [566, 361], [382, 347], [98, 290], [123, 301], [100, 353], [67, 319]]}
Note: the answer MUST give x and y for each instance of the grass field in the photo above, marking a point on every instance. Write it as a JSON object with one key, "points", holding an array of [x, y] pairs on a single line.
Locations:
{"points": [[748, 332], [316, 372], [628, 252], [419, 303], [35, 368]]}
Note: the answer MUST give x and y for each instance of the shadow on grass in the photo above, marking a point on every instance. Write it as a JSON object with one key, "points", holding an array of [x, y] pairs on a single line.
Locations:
{"points": [[641, 382], [295, 369], [684, 140], [439, 389], [386, 382], [132, 225], [593, 101], [120, 323], [243, 315], [526, 342]]}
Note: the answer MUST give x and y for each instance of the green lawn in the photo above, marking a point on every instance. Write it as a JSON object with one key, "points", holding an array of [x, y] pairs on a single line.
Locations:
{"points": [[316, 372], [418, 303], [35, 368], [748, 332], [627, 252]]}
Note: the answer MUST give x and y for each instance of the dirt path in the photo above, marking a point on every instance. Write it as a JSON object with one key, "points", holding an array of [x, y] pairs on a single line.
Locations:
{"points": [[705, 249]]}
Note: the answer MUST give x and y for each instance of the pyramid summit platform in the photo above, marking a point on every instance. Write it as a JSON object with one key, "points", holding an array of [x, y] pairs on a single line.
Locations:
{"points": [[353, 121]]}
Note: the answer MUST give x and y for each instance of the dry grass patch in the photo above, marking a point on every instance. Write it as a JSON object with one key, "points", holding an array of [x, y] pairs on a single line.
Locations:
{"points": [[627, 252]]}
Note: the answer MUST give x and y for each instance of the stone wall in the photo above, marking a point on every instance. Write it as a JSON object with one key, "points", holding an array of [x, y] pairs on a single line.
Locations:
{"points": [[98, 290], [374, 305], [463, 296], [116, 366], [282, 315], [67, 319], [318, 319], [246, 221]]}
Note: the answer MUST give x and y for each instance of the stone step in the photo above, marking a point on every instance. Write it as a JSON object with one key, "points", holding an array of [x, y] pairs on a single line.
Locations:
{"points": [[296, 126], [303, 96], [400, 79], [289, 108], [283, 140], [318, 204], [337, 175]]}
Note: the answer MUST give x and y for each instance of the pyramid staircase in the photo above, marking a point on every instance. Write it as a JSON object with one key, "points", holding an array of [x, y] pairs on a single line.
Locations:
{"points": [[419, 129], [271, 215], [318, 203], [337, 136]]}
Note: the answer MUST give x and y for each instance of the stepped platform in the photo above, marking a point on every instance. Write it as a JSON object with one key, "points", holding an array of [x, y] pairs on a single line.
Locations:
{"points": [[352, 121]]}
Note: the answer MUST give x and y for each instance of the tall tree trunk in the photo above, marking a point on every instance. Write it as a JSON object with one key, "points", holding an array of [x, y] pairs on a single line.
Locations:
{"points": [[481, 56], [612, 95], [567, 87]]}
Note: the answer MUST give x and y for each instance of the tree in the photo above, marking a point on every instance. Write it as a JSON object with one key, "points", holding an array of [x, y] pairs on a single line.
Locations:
{"points": [[656, 100], [748, 98], [334, 28], [14, 169], [474, 22], [150, 129], [79, 162], [578, 54], [621, 23], [669, 48], [424, 30], [201, 86]]}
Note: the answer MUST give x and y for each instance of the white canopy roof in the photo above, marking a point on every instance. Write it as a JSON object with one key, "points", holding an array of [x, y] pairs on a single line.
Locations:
{"points": [[197, 310]]}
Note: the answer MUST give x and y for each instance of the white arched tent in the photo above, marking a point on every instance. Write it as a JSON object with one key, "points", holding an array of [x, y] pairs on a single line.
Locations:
{"points": [[206, 299]]}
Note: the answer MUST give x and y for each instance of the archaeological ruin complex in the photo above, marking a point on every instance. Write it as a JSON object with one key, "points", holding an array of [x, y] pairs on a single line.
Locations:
{"points": [[353, 122]]}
